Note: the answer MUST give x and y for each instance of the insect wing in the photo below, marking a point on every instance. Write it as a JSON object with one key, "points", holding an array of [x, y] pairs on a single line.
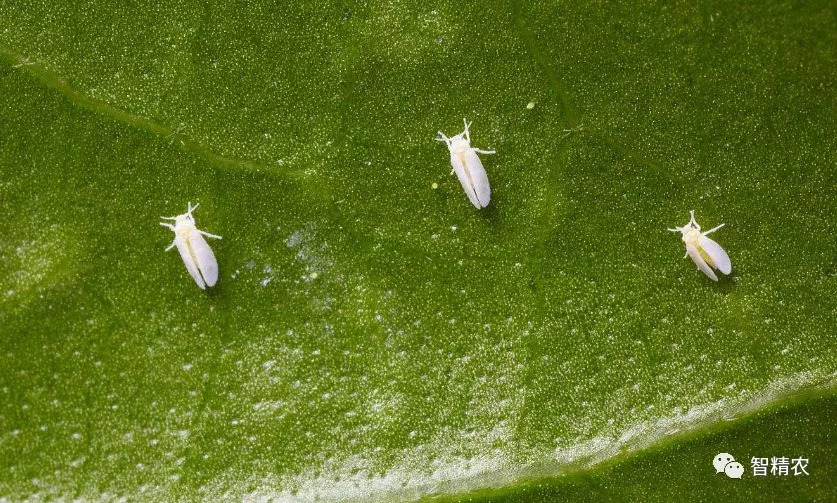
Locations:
{"points": [[189, 260], [478, 177], [458, 163], [204, 257], [716, 253], [694, 253]]}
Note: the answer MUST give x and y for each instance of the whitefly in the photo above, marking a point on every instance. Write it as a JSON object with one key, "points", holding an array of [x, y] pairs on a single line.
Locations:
{"points": [[193, 248], [466, 164], [704, 252]]}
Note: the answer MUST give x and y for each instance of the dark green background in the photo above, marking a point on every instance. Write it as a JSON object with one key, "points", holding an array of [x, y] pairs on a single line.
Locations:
{"points": [[371, 337]]}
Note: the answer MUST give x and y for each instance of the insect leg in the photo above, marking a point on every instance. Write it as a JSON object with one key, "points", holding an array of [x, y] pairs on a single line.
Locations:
{"points": [[209, 235]]}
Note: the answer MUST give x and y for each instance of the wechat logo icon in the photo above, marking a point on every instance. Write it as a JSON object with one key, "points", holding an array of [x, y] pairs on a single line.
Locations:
{"points": [[724, 462]]}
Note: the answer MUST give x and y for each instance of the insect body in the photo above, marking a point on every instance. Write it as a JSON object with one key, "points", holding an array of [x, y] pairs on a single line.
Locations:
{"points": [[467, 166], [704, 252], [196, 254]]}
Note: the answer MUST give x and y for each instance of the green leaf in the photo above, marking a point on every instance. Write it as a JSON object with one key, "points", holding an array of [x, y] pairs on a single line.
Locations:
{"points": [[682, 466], [370, 336]]}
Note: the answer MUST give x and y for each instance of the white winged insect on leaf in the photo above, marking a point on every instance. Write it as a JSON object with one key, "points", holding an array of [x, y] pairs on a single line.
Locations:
{"points": [[468, 167], [704, 252], [195, 252]]}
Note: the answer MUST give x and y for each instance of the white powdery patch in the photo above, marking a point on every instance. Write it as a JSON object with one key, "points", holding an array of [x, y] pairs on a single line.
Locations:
{"points": [[645, 434], [406, 482], [35, 265], [314, 254], [416, 476]]}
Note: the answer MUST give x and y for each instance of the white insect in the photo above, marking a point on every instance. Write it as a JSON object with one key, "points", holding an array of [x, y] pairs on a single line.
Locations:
{"points": [[196, 254], [704, 252], [467, 166]]}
